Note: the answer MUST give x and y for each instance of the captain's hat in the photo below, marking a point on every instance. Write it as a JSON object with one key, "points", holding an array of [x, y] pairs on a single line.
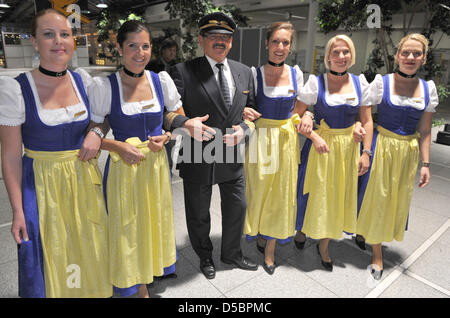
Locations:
{"points": [[217, 22]]}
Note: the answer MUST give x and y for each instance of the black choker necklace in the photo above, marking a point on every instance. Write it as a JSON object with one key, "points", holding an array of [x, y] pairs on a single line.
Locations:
{"points": [[406, 75], [337, 73], [275, 64], [129, 73], [51, 73]]}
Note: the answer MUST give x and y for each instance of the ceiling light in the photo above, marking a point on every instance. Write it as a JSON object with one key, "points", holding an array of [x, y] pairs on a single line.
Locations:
{"points": [[102, 5], [4, 5]]}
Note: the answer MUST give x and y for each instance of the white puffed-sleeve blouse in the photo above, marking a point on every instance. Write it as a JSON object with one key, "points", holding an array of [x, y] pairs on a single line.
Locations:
{"points": [[376, 92], [100, 94], [278, 91], [310, 91], [12, 105]]}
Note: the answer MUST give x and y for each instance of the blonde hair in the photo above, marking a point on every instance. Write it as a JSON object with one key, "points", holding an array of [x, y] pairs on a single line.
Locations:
{"points": [[413, 36], [333, 41]]}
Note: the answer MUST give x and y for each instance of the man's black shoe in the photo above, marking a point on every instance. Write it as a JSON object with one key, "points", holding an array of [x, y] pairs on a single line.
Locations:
{"points": [[207, 268], [242, 263]]}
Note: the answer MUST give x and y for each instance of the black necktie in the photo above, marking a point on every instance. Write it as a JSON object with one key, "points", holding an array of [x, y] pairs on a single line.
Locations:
{"points": [[224, 85]]}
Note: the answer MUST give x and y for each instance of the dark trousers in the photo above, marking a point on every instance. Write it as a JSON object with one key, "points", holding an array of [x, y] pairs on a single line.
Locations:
{"points": [[169, 146], [197, 200]]}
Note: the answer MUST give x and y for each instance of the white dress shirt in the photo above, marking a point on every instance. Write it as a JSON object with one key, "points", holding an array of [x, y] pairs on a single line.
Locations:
{"points": [[227, 73]]}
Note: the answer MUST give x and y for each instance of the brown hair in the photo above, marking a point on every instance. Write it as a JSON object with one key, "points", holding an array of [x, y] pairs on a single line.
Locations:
{"points": [[34, 22], [280, 25], [130, 26]]}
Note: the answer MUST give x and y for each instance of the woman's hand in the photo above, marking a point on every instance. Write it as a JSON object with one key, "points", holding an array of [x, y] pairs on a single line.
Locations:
{"points": [[305, 126], [91, 146], [363, 164], [320, 145], [359, 132], [424, 177], [130, 154], [19, 228], [251, 114], [156, 143]]}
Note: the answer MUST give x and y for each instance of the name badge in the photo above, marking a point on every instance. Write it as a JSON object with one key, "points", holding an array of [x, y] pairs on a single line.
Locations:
{"points": [[147, 106], [418, 100], [245, 92], [291, 91], [351, 99], [79, 114]]}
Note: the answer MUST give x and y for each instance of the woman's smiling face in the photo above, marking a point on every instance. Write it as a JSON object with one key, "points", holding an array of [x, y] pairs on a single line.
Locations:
{"points": [[136, 51], [53, 40], [279, 45], [411, 57], [340, 56]]}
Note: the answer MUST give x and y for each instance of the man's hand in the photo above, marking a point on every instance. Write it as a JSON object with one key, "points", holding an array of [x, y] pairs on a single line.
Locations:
{"points": [[198, 130], [234, 138]]}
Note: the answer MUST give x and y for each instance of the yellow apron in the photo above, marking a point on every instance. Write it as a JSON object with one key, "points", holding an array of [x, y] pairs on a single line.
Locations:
{"points": [[331, 179], [271, 171], [73, 224], [141, 232], [385, 207]]}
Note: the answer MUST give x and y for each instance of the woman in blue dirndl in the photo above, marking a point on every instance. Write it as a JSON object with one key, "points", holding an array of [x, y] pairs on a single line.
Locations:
{"points": [[137, 178], [273, 153], [59, 215], [405, 107], [328, 173]]}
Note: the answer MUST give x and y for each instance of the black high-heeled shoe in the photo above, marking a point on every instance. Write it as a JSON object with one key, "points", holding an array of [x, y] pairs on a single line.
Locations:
{"points": [[327, 265], [270, 269], [377, 274], [360, 242]]}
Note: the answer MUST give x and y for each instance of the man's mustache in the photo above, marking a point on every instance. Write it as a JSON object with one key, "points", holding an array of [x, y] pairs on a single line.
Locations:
{"points": [[219, 45]]}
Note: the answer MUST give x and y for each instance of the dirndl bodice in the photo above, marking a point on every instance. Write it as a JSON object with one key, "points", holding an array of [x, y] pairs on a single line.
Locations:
{"points": [[339, 116], [401, 120], [275, 107], [139, 125], [39, 137]]}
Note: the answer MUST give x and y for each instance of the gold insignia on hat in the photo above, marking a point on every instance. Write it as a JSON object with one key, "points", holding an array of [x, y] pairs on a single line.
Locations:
{"points": [[215, 23]]}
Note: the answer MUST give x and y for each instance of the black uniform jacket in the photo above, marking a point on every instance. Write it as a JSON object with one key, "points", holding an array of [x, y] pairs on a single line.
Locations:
{"points": [[212, 162]]}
